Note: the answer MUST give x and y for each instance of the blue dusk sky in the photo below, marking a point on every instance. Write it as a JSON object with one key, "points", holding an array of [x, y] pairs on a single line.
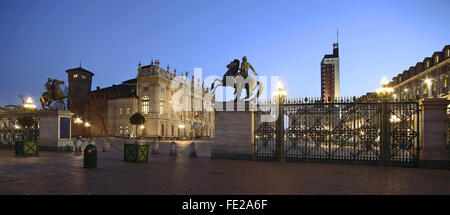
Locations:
{"points": [[41, 39]]}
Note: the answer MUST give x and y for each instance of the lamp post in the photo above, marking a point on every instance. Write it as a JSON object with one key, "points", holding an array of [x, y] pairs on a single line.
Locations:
{"points": [[181, 128], [386, 95], [87, 125], [280, 94], [79, 123], [428, 82], [31, 107], [29, 104], [142, 127]]}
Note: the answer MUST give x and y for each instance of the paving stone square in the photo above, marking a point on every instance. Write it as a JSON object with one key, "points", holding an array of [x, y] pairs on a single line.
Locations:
{"points": [[62, 173]]}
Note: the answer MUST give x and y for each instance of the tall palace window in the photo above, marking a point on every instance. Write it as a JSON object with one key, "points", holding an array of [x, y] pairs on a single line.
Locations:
{"points": [[145, 105], [161, 107]]}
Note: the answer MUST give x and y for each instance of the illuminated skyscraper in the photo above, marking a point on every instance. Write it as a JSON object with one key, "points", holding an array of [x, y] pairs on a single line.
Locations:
{"points": [[330, 74]]}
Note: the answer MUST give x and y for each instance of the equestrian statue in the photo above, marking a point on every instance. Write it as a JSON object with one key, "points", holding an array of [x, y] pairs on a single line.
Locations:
{"points": [[54, 93], [239, 79]]}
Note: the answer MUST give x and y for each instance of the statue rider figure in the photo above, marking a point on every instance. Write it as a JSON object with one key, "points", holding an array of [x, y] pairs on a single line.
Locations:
{"points": [[48, 85], [245, 66]]}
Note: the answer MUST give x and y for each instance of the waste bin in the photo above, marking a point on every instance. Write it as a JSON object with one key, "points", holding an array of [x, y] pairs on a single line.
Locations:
{"points": [[90, 156]]}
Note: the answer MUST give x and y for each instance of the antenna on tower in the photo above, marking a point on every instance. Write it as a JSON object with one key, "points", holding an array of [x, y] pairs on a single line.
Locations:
{"points": [[80, 63], [337, 35]]}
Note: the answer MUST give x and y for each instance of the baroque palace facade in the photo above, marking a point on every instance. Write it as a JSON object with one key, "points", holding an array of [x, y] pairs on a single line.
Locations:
{"points": [[428, 78], [152, 94]]}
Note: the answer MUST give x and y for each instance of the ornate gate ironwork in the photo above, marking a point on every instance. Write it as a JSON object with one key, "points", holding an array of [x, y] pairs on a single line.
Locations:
{"points": [[341, 131], [10, 132]]}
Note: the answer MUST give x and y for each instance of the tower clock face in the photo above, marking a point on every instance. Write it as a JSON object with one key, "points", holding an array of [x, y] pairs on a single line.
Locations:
{"points": [[83, 76]]}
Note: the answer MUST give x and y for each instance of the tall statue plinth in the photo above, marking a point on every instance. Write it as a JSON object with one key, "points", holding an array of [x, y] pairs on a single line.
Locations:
{"points": [[234, 131], [54, 130]]}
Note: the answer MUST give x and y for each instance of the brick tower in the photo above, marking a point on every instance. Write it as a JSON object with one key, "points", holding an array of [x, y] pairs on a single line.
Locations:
{"points": [[80, 81]]}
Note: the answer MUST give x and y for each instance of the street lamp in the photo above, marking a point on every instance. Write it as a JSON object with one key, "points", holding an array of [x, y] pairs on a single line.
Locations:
{"points": [[280, 93], [385, 92], [428, 82], [87, 124], [78, 120], [29, 104]]}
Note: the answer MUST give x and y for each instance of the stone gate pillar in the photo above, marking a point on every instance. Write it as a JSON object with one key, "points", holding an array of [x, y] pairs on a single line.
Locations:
{"points": [[434, 153]]}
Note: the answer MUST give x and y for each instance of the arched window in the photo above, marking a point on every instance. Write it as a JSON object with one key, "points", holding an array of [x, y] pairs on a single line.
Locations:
{"points": [[145, 105]]}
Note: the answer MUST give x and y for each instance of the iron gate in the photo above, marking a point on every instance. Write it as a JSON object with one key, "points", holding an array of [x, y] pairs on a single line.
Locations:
{"points": [[344, 131], [11, 132]]}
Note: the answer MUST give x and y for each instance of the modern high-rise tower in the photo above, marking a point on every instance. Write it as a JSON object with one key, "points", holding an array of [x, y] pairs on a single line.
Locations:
{"points": [[330, 74]]}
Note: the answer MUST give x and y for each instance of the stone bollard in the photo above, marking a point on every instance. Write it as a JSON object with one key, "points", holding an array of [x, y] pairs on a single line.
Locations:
{"points": [[155, 148], [78, 144], [193, 150], [173, 149], [106, 146]]}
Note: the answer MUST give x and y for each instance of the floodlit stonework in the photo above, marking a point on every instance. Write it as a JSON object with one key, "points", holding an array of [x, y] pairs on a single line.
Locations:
{"points": [[155, 93], [426, 79]]}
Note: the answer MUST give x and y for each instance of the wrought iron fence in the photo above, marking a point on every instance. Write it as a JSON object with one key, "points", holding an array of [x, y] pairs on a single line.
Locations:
{"points": [[345, 130], [11, 132]]}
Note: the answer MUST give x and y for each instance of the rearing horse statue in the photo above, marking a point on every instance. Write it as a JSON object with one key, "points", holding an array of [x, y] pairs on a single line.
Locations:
{"points": [[238, 82], [54, 93]]}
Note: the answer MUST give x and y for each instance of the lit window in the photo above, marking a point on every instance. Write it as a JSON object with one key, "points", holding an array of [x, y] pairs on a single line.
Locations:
{"points": [[145, 105], [128, 111], [75, 75], [437, 58], [83, 76], [161, 107], [120, 111]]}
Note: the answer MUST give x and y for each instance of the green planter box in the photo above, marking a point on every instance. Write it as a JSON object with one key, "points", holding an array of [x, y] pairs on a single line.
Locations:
{"points": [[135, 153], [26, 148]]}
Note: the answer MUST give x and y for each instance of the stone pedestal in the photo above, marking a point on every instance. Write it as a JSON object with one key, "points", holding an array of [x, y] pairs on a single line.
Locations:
{"points": [[234, 131], [54, 130], [434, 153]]}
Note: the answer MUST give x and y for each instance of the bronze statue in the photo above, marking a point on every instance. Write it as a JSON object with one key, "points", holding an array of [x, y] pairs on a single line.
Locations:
{"points": [[244, 68], [54, 93], [240, 80]]}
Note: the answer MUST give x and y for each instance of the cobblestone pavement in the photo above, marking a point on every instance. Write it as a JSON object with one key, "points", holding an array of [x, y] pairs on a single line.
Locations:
{"points": [[61, 173]]}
